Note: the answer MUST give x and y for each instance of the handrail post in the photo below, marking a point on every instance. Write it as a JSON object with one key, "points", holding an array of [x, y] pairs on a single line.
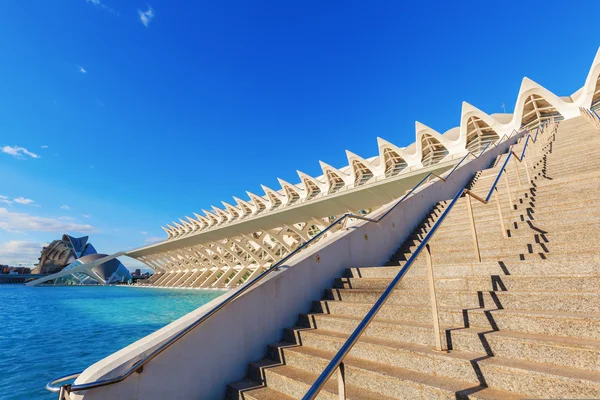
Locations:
{"points": [[510, 201], [527, 171], [434, 306], [341, 378], [518, 174], [473, 229], [63, 394], [500, 213]]}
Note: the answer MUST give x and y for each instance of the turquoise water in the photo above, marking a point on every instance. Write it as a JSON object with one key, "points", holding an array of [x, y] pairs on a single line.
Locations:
{"points": [[53, 331]]}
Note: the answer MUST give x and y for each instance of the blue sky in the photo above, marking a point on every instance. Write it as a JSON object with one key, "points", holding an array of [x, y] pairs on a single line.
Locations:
{"points": [[118, 116]]}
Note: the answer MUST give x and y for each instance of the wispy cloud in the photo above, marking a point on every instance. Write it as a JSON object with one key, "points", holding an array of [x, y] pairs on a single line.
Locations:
{"points": [[21, 222], [5, 199], [86, 216], [81, 69], [19, 152], [25, 201], [45, 146], [146, 16], [17, 252], [101, 5], [144, 233], [65, 207]]}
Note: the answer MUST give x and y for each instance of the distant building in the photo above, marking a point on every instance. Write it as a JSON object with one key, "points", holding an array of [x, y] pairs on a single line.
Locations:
{"points": [[5, 269], [71, 253]]}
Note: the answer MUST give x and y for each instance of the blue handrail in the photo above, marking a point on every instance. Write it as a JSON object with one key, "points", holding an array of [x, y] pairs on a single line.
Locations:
{"points": [[337, 360], [347, 346]]}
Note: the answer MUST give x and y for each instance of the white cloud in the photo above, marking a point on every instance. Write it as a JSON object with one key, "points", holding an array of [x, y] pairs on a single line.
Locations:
{"points": [[24, 201], [86, 216], [146, 16], [65, 207], [144, 233], [81, 69], [17, 252], [45, 146], [5, 200], [153, 239], [99, 4], [21, 222], [18, 152]]}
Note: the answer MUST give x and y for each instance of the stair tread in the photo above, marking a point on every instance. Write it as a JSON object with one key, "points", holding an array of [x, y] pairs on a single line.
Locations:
{"points": [[308, 378], [258, 391], [394, 372], [506, 334], [551, 313], [571, 373]]}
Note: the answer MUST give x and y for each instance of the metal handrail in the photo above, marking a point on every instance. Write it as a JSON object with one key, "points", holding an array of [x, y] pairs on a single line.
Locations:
{"points": [[138, 366], [362, 326], [337, 361]]}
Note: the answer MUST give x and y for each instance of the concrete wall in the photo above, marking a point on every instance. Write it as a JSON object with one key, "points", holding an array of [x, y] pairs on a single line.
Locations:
{"points": [[217, 352]]}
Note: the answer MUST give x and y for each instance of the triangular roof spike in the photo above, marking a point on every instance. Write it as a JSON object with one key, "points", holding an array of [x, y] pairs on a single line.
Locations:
{"points": [[197, 224], [350, 155], [291, 185], [384, 143], [241, 203], [202, 219], [469, 111], [591, 80], [530, 87], [420, 127], [528, 82], [232, 209], [411, 158], [375, 169], [268, 191], [325, 166], [597, 58], [221, 212], [184, 222], [304, 176], [287, 187], [469, 108], [212, 216], [256, 198], [348, 179]]}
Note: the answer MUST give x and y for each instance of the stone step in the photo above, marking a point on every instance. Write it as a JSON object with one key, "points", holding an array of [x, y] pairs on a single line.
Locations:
{"points": [[295, 382], [567, 324], [389, 379], [565, 352], [559, 283], [563, 301], [252, 390], [524, 206], [319, 346], [591, 267]]}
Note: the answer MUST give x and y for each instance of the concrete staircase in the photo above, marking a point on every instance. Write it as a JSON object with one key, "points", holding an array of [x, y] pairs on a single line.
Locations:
{"points": [[522, 323]]}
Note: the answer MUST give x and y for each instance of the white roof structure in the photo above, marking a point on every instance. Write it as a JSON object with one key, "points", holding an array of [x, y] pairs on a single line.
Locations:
{"points": [[226, 245]]}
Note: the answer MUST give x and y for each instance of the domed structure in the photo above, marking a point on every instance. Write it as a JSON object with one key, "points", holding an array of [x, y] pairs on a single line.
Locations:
{"points": [[69, 253]]}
